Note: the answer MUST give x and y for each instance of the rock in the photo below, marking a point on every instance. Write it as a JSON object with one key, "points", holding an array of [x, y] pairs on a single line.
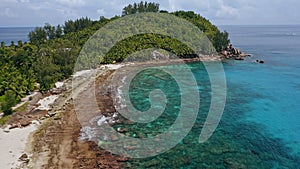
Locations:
{"points": [[120, 130], [224, 53], [24, 157], [35, 122], [122, 159], [51, 113], [6, 129], [13, 126], [260, 61], [57, 118], [56, 91], [239, 58], [244, 55], [39, 112], [25, 123]]}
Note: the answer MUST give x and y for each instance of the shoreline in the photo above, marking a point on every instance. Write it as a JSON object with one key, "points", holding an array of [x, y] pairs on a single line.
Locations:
{"points": [[57, 142], [58, 117]]}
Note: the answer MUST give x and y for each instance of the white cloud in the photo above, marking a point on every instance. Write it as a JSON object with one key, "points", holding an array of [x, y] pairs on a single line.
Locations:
{"points": [[9, 13], [194, 5], [72, 3], [227, 12], [101, 12], [24, 1]]}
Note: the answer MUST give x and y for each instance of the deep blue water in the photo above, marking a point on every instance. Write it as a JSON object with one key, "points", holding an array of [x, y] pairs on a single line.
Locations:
{"points": [[261, 121], [8, 34]]}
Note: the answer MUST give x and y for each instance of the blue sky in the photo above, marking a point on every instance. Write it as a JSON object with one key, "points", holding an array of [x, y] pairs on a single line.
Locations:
{"points": [[220, 12]]}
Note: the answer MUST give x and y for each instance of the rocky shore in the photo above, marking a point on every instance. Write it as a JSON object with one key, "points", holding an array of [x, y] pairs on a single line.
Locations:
{"points": [[231, 52]]}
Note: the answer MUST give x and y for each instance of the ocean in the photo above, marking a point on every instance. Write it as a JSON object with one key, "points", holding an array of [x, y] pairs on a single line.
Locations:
{"points": [[8, 34], [261, 121], [277, 81]]}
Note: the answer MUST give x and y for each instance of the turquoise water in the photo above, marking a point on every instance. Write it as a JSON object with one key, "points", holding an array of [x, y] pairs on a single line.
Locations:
{"points": [[261, 121], [277, 81]]}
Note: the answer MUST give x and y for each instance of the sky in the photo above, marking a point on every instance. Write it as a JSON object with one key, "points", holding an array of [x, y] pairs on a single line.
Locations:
{"points": [[220, 12]]}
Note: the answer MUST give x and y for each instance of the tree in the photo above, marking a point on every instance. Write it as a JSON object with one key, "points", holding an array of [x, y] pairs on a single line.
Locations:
{"points": [[9, 101], [2, 44], [50, 31], [141, 7], [69, 26], [38, 36], [20, 43], [12, 43], [77, 25], [58, 32]]}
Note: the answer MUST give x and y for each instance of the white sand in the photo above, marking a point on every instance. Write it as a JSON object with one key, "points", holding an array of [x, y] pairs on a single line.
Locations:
{"points": [[46, 102], [12, 146]]}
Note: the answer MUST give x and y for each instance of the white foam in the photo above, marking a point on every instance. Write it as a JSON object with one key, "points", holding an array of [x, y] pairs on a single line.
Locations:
{"points": [[115, 115], [102, 120], [120, 100], [87, 133]]}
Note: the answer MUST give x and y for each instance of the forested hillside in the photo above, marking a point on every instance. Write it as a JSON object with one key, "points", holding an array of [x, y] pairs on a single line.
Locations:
{"points": [[52, 51]]}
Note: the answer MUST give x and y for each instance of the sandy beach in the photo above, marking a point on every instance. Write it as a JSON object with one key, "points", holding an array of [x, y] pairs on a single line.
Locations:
{"points": [[13, 145]]}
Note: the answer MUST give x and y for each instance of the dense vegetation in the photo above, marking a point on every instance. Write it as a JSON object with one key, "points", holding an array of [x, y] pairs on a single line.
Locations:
{"points": [[52, 51]]}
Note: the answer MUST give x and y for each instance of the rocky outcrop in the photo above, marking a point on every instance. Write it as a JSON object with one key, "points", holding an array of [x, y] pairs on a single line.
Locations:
{"points": [[235, 53]]}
